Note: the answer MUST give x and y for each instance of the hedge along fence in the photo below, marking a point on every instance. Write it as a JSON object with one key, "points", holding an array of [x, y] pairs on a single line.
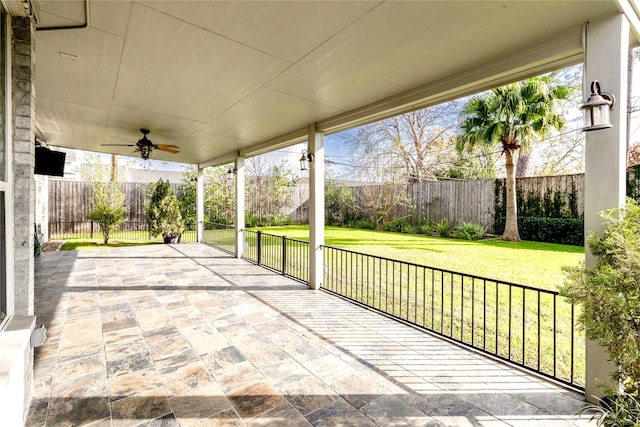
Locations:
{"points": [[478, 201]]}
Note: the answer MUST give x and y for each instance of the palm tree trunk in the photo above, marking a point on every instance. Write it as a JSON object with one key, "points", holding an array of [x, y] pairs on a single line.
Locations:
{"points": [[511, 225]]}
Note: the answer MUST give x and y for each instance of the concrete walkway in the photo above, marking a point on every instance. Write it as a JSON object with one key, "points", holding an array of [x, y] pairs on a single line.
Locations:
{"points": [[169, 335]]}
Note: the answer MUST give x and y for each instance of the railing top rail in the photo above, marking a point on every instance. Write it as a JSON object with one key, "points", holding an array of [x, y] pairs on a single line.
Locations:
{"points": [[222, 225], [276, 235], [472, 276]]}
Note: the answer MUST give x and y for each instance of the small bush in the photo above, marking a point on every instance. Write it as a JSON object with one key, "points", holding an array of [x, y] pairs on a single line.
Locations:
{"points": [[282, 220], [426, 228], [444, 228], [469, 231], [397, 225], [362, 223]]}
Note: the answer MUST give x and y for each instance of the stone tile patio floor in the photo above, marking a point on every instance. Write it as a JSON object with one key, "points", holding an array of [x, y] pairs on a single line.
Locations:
{"points": [[169, 335]]}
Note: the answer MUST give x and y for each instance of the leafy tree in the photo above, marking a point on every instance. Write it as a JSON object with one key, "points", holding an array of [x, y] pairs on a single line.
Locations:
{"points": [[108, 199], [338, 201], [509, 117], [163, 212], [187, 197]]}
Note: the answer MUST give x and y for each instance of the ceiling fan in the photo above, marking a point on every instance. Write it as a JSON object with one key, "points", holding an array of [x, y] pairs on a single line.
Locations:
{"points": [[145, 146]]}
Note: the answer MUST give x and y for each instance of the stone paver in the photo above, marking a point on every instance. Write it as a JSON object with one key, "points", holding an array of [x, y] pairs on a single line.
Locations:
{"points": [[185, 335]]}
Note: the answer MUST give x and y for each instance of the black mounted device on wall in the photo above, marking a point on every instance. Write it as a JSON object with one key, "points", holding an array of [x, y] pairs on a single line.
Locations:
{"points": [[49, 162]]}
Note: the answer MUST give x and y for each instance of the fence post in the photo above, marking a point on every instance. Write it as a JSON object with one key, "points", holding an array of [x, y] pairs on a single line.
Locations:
{"points": [[92, 229], [284, 255], [259, 248], [149, 229]]}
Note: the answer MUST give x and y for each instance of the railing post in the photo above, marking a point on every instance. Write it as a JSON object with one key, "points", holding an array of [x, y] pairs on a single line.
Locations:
{"points": [[259, 248], [284, 255]]}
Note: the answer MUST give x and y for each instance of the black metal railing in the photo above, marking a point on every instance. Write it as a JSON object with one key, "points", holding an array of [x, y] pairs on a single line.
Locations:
{"points": [[289, 257], [130, 230], [530, 327], [222, 236]]}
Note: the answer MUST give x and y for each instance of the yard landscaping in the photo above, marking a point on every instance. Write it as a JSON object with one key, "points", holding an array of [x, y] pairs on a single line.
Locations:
{"points": [[529, 327], [525, 326], [534, 264]]}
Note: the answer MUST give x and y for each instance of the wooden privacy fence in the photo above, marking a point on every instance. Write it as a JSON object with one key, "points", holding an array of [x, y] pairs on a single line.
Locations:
{"points": [[70, 201], [454, 200]]}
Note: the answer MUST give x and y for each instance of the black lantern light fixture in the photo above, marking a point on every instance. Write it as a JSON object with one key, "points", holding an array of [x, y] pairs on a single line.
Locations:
{"points": [[145, 152], [306, 158], [230, 173], [597, 108]]}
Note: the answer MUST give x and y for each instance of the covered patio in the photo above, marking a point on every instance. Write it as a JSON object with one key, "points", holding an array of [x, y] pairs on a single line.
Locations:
{"points": [[187, 335]]}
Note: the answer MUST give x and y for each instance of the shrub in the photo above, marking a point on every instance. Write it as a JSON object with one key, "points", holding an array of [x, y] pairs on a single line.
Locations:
{"points": [[426, 228], [444, 228], [615, 409], [469, 231], [108, 218], [552, 230], [362, 223], [397, 225], [163, 212], [609, 292], [568, 231], [108, 210]]}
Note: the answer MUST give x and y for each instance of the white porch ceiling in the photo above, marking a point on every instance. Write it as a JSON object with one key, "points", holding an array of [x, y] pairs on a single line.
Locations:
{"points": [[217, 77]]}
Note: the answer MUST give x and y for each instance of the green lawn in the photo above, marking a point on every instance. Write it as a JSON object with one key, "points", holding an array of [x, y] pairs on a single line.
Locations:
{"points": [[534, 264], [523, 326], [77, 244]]}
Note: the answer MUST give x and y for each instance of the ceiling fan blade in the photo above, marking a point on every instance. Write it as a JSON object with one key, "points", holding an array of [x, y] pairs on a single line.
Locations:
{"points": [[118, 145], [168, 148]]}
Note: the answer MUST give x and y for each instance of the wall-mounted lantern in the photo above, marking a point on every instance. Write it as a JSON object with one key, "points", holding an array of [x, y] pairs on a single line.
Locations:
{"points": [[596, 109], [231, 172], [306, 158]]}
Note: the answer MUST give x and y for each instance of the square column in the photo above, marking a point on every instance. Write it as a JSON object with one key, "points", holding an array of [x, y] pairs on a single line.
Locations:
{"points": [[239, 220], [606, 58], [200, 204], [316, 208]]}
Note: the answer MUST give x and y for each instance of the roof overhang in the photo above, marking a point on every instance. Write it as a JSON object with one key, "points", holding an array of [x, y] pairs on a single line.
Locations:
{"points": [[218, 78]]}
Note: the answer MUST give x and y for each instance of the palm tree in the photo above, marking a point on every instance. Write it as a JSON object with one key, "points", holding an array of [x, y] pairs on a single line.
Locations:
{"points": [[510, 117]]}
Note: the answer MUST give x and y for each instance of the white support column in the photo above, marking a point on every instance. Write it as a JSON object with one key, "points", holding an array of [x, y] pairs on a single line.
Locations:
{"points": [[200, 204], [316, 208], [606, 58], [239, 206]]}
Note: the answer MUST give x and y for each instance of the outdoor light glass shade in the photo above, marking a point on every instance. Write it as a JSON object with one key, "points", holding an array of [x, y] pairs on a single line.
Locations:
{"points": [[596, 109], [306, 158], [145, 152]]}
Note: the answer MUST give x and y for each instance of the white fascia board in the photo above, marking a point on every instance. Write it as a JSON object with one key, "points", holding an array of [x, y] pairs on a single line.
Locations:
{"points": [[631, 10]]}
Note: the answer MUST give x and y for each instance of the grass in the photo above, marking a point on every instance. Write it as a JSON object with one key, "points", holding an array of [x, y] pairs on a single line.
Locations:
{"points": [[515, 324], [534, 264], [78, 244], [442, 302]]}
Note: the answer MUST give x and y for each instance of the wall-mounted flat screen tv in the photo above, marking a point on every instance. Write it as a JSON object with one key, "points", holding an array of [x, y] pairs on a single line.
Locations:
{"points": [[49, 162]]}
